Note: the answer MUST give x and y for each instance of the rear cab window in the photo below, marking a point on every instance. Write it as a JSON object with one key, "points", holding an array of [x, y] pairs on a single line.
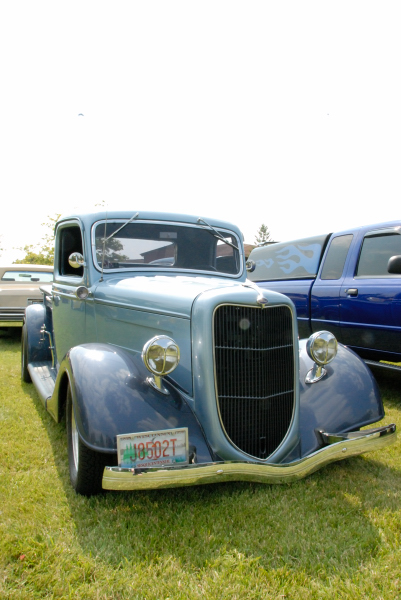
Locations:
{"points": [[25, 276], [298, 259]]}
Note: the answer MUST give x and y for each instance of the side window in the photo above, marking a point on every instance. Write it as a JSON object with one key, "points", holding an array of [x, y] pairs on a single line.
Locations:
{"points": [[70, 241], [335, 259], [377, 248]]}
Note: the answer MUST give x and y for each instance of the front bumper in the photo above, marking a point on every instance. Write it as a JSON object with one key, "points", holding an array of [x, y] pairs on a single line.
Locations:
{"points": [[339, 446]]}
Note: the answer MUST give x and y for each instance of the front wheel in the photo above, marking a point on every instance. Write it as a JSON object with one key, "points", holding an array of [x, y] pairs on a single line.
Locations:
{"points": [[86, 465]]}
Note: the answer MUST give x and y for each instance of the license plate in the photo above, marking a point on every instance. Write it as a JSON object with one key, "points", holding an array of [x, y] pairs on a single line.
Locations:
{"points": [[153, 448]]}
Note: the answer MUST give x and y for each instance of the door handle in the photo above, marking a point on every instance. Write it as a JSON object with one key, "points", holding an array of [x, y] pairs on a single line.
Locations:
{"points": [[56, 299], [352, 292]]}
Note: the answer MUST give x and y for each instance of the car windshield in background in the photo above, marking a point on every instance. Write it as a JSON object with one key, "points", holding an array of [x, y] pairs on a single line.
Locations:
{"points": [[161, 246], [27, 276]]}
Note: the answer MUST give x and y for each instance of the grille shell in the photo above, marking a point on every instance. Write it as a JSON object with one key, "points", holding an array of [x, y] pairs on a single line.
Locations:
{"points": [[254, 374]]}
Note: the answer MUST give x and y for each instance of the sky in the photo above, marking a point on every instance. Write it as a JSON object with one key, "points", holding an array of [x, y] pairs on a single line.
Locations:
{"points": [[286, 113]]}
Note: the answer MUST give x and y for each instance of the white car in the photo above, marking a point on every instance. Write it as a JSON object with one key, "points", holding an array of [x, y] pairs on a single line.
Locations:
{"points": [[19, 286]]}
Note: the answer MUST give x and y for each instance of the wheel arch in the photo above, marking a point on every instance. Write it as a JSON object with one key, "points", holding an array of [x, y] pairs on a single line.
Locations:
{"points": [[111, 397], [62, 388], [345, 399]]}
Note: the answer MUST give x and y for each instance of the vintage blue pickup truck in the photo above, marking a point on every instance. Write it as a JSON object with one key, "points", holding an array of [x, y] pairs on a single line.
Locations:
{"points": [[348, 283], [171, 368]]}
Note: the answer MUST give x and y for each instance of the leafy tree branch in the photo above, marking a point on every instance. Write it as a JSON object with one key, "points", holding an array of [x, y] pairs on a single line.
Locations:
{"points": [[41, 253]]}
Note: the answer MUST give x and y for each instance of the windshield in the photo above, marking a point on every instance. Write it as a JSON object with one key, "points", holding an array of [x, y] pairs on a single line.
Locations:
{"points": [[161, 246]]}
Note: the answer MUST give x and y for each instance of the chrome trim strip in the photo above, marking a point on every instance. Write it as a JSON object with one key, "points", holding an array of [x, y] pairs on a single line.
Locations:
{"points": [[70, 294], [139, 308], [116, 478]]}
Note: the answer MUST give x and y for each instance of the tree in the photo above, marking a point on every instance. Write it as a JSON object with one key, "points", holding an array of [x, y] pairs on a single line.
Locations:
{"points": [[41, 253], [112, 251], [263, 235]]}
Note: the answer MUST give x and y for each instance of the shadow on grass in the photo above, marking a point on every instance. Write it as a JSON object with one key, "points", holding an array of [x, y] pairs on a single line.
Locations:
{"points": [[10, 339], [323, 523], [390, 386]]}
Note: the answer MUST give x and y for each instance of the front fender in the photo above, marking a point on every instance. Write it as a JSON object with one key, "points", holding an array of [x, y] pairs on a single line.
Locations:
{"points": [[346, 399], [111, 397]]}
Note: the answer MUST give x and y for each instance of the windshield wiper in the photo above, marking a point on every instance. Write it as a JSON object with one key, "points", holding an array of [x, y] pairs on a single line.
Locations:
{"points": [[106, 239], [217, 234]]}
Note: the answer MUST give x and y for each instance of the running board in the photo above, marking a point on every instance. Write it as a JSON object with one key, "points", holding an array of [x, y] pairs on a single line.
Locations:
{"points": [[384, 366], [44, 378]]}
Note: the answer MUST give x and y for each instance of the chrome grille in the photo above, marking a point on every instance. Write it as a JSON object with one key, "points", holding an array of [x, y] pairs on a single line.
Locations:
{"points": [[254, 366]]}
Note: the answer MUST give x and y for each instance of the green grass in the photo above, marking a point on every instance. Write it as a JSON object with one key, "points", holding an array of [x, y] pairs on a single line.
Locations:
{"points": [[333, 535]]}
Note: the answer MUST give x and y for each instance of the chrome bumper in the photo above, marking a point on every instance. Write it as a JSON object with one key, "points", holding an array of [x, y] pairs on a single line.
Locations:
{"points": [[11, 317], [339, 446]]}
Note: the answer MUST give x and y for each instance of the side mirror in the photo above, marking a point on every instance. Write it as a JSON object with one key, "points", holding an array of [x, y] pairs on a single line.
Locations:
{"points": [[394, 265], [76, 260], [250, 266]]}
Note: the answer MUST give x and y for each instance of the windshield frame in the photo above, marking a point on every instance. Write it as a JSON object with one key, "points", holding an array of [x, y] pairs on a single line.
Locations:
{"points": [[165, 270]]}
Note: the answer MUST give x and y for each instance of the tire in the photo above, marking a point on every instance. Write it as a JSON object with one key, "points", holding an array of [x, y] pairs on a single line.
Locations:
{"points": [[85, 465], [25, 376]]}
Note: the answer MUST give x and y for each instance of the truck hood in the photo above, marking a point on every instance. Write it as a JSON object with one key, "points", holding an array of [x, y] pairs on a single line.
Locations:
{"points": [[160, 294]]}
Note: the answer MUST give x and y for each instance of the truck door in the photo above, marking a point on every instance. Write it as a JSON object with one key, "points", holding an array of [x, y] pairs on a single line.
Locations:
{"points": [[371, 298], [68, 310], [325, 296]]}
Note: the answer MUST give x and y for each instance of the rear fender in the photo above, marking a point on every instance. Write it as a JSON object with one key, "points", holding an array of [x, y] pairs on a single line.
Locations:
{"points": [[38, 345], [111, 397], [345, 399]]}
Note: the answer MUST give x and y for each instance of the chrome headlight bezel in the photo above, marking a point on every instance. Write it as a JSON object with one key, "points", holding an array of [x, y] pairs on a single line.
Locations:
{"points": [[322, 347], [161, 356]]}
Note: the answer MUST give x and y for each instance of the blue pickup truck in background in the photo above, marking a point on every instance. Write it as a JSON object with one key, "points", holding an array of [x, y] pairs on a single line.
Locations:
{"points": [[348, 283]]}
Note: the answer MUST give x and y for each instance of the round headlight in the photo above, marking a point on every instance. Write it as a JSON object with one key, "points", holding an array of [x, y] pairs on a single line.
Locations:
{"points": [[161, 355], [322, 347]]}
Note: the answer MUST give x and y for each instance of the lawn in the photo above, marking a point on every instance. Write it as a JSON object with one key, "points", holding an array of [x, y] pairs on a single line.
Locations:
{"points": [[333, 535]]}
